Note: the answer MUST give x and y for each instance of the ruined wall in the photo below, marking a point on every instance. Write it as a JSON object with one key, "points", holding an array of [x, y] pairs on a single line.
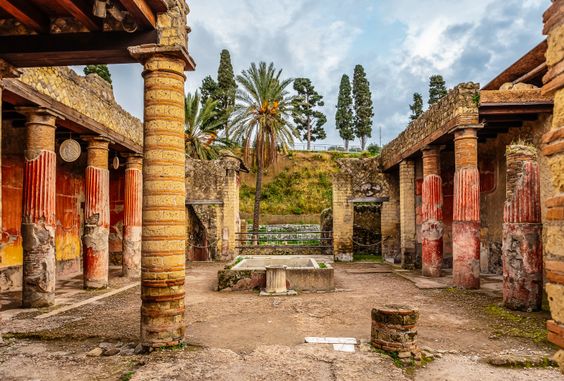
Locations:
{"points": [[459, 107], [89, 95], [212, 191]]}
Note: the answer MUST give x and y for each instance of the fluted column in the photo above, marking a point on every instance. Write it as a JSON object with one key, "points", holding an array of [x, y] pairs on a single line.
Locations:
{"points": [[133, 210], [522, 231], [466, 214], [432, 213], [553, 150], [38, 217], [96, 215], [164, 198]]}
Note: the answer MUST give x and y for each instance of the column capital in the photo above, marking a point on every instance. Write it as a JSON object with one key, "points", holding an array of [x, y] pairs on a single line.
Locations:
{"points": [[467, 129], [133, 161], [144, 52], [432, 149], [38, 114], [96, 142]]}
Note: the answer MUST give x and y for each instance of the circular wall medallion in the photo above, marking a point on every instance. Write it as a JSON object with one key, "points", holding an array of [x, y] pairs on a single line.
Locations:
{"points": [[69, 150], [115, 162]]}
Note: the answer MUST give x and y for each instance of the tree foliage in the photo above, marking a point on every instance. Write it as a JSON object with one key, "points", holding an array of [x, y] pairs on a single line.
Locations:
{"points": [[437, 88], [416, 107], [309, 121], [362, 106], [202, 127], [344, 118], [102, 70], [226, 88], [261, 120]]}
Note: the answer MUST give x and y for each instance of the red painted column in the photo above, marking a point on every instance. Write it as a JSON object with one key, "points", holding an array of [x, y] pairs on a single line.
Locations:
{"points": [[522, 231], [96, 215], [432, 213], [132, 216], [466, 214], [38, 217]]}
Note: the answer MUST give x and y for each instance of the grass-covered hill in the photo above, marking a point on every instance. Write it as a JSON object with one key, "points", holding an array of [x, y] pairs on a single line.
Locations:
{"points": [[299, 185]]}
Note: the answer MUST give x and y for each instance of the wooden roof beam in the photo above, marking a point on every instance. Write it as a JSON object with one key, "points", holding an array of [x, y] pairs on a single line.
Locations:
{"points": [[82, 12], [27, 14], [141, 12]]}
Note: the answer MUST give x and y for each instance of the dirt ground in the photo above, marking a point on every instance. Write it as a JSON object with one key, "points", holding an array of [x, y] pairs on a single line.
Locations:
{"points": [[241, 336]]}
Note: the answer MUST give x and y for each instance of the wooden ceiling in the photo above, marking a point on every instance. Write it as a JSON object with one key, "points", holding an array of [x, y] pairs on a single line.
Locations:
{"points": [[93, 46]]}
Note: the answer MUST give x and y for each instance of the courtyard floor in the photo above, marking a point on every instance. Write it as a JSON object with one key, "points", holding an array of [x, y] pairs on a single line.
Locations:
{"points": [[241, 336]]}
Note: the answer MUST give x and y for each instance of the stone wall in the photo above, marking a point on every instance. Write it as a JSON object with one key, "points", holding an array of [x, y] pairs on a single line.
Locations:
{"points": [[212, 191], [459, 107], [407, 213], [90, 95]]}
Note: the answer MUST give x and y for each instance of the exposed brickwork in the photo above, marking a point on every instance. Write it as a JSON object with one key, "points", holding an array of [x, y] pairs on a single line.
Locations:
{"points": [[390, 222], [343, 218], [459, 107], [96, 215], [466, 213], [407, 213], [38, 217], [554, 150], [394, 330], [432, 213]]}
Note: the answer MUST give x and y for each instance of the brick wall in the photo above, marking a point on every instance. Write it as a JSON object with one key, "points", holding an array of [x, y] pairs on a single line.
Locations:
{"points": [[407, 212]]}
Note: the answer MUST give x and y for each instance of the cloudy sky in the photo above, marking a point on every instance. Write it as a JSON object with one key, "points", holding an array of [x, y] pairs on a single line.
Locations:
{"points": [[399, 42]]}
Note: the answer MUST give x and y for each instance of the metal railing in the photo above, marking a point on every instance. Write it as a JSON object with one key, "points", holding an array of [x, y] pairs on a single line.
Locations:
{"points": [[285, 240], [323, 147]]}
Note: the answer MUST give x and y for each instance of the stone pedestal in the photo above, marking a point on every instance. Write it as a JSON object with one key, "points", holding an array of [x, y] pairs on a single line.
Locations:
{"points": [[432, 214], [276, 282], [522, 231], [466, 215], [132, 216], [38, 217], [394, 330], [96, 215]]}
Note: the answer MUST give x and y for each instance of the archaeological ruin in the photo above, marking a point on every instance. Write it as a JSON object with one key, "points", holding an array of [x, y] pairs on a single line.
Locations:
{"points": [[111, 233]]}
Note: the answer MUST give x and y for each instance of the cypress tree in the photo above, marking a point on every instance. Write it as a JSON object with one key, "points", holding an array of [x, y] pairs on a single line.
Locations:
{"points": [[437, 88], [226, 87], [344, 116], [417, 106], [362, 106], [102, 70], [309, 121]]}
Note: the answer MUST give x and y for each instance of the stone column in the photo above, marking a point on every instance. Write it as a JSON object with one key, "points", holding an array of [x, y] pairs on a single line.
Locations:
{"points": [[407, 213], [522, 231], [466, 214], [164, 198], [553, 149], [432, 213], [38, 217], [132, 216], [96, 214], [390, 221]]}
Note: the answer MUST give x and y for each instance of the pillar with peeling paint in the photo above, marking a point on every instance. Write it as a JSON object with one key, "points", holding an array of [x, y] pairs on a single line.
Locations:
{"points": [[522, 231], [38, 217], [132, 215], [432, 213], [96, 215], [466, 214]]}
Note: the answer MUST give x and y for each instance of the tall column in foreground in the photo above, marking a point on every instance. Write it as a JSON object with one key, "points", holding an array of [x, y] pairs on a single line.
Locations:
{"points": [[96, 215], [38, 217], [553, 149], [466, 214], [407, 213], [132, 216], [164, 199], [522, 231], [432, 213]]}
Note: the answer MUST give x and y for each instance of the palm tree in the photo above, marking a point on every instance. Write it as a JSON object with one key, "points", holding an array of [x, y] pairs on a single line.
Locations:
{"points": [[202, 129], [262, 120]]}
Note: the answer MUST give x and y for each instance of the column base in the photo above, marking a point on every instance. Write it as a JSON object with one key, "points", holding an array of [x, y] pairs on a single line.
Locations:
{"points": [[432, 257], [96, 257], [466, 254]]}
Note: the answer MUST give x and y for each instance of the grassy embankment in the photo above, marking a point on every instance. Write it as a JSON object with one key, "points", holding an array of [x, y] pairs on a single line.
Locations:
{"points": [[295, 190]]}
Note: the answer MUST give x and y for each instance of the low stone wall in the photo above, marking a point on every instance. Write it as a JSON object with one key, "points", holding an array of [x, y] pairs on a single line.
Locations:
{"points": [[296, 279]]}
